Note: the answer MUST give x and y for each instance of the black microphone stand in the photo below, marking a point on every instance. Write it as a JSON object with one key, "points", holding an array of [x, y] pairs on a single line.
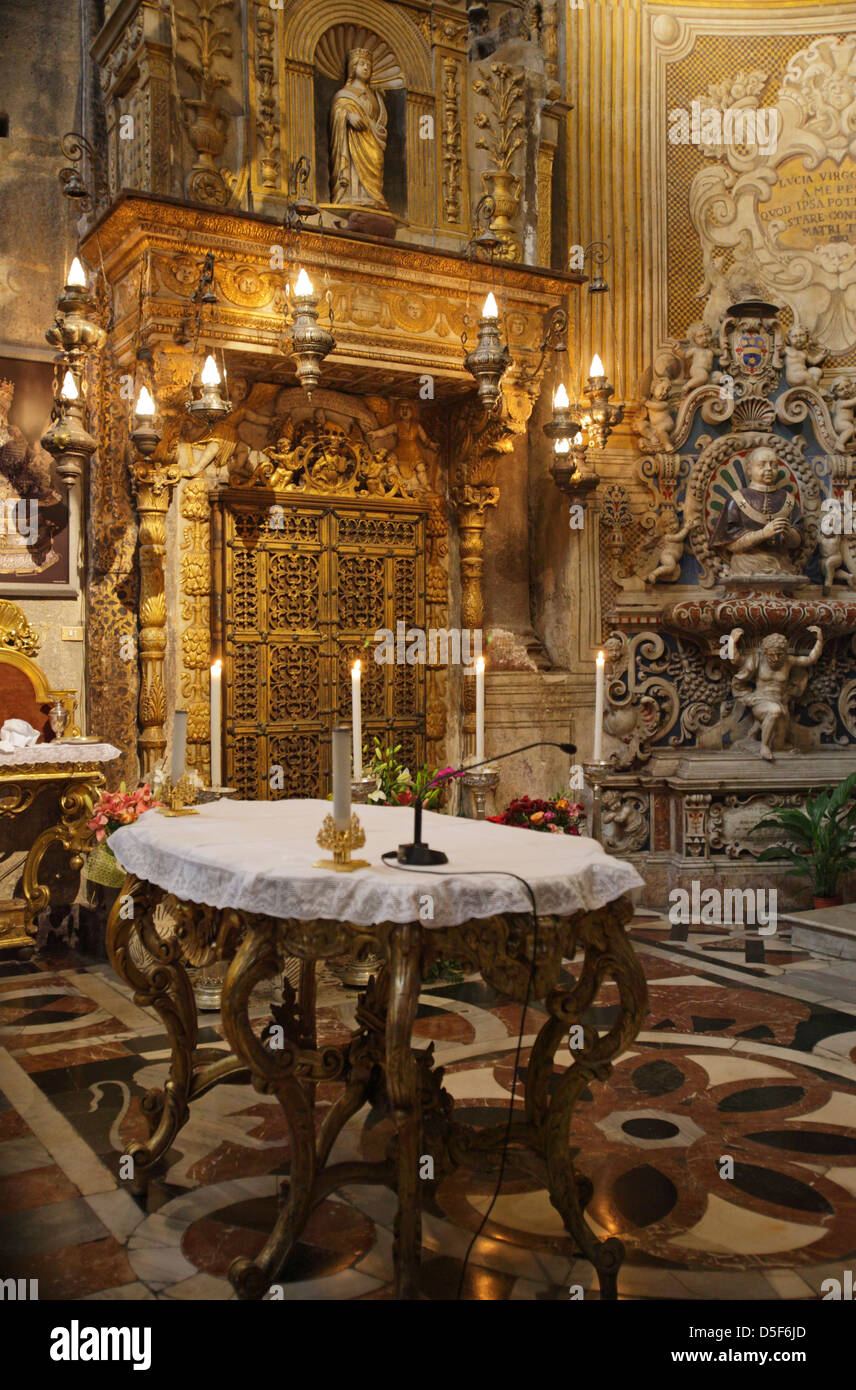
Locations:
{"points": [[420, 853]]}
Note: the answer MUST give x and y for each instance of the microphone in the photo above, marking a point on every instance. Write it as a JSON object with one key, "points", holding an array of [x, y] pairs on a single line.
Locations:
{"points": [[420, 853]]}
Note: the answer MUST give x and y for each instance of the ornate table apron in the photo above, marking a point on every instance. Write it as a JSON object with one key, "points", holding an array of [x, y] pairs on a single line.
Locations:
{"points": [[76, 786], [152, 937]]}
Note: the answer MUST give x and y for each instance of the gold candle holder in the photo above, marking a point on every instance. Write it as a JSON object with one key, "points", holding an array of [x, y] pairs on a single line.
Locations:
{"points": [[341, 842], [178, 798]]}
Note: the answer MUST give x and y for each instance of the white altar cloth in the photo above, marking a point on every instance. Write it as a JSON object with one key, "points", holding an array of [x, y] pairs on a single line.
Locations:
{"points": [[58, 754], [258, 856]]}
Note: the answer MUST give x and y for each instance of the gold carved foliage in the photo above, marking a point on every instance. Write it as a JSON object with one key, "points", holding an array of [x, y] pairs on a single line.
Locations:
{"points": [[15, 631]]}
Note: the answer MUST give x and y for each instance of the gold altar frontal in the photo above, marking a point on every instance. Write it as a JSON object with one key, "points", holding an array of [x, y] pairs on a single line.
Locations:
{"points": [[152, 950]]}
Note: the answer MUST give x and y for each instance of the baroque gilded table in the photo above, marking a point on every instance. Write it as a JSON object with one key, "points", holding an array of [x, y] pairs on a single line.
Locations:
{"points": [[72, 770], [236, 883]]}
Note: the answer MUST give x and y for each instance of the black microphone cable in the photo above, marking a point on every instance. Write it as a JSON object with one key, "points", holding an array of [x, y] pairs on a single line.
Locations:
{"points": [[392, 862]]}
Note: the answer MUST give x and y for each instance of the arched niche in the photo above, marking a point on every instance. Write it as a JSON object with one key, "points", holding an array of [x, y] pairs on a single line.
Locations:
{"points": [[313, 66]]}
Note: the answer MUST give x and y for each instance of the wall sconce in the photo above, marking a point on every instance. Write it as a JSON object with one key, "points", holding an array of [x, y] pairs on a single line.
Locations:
{"points": [[299, 205], [490, 358], [74, 331], [570, 470], [210, 406], [145, 434], [561, 426], [68, 439], [601, 417], [73, 146], [310, 343]]}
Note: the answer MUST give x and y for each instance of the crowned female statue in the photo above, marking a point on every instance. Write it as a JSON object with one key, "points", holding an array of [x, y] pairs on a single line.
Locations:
{"points": [[358, 137]]}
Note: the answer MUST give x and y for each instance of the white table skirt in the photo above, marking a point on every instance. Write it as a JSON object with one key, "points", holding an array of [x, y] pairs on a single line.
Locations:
{"points": [[258, 856], [57, 754]]}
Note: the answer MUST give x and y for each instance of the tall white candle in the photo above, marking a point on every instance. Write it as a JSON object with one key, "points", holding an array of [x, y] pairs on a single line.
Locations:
{"points": [[341, 777], [179, 745], [598, 708], [480, 710], [216, 699], [357, 721]]}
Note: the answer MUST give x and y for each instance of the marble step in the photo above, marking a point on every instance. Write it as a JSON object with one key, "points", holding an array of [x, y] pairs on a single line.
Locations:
{"points": [[829, 930]]}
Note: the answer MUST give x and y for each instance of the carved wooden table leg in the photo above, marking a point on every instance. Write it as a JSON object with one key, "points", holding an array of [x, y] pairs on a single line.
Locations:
{"points": [[164, 986], [402, 1084], [607, 953], [71, 832], [273, 1071]]}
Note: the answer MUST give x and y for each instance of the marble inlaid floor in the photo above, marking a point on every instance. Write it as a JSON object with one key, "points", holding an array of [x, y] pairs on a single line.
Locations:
{"points": [[748, 1054]]}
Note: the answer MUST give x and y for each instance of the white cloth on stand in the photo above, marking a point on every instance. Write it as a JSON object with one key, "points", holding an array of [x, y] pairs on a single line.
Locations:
{"points": [[258, 855], [56, 754], [17, 733]]}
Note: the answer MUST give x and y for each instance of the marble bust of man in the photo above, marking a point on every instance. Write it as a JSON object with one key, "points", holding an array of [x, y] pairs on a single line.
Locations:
{"points": [[357, 137], [759, 526]]}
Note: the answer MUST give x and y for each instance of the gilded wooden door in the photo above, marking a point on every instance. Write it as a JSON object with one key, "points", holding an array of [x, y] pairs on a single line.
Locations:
{"points": [[306, 581]]}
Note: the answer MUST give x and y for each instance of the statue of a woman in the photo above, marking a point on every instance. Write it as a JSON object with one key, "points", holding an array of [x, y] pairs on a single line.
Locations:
{"points": [[357, 137]]}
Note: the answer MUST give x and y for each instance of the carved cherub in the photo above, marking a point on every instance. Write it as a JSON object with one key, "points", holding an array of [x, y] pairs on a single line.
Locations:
{"points": [[656, 424], [699, 357], [670, 548], [629, 827], [409, 445], [283, 456], [835, 561], [769, 680], [800, 350], [843, 393]]}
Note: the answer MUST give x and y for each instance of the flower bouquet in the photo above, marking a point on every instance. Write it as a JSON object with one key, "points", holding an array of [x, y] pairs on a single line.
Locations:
{"points": [[112, 810], [396, 786], [557, 817]]}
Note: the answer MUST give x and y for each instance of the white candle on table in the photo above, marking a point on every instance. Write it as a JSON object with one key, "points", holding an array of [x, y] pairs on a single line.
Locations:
{"points": [[598, 708], [341, 778], [480, 710], [216, 697], [179, 745], [357, 719]]}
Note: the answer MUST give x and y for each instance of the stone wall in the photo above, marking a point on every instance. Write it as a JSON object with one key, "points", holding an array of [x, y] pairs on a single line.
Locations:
{"points": [[40, 98]]}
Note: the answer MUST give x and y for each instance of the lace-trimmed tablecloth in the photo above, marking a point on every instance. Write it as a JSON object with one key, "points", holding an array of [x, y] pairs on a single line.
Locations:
{"points": [[56, 754], [258, 856]]}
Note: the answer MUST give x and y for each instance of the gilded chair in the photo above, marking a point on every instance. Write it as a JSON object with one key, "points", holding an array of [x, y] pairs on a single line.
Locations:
{"points": [[24, 689]]}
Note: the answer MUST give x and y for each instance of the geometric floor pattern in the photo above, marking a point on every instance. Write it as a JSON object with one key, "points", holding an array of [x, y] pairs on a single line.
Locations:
{"points": [[722, 1149]]}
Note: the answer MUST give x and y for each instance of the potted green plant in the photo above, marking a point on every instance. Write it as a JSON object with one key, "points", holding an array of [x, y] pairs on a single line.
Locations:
{"points": [[822, 836]]}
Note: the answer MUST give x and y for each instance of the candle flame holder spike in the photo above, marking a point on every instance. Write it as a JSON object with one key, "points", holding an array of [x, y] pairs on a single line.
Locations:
{"points": [[341, 842]]}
